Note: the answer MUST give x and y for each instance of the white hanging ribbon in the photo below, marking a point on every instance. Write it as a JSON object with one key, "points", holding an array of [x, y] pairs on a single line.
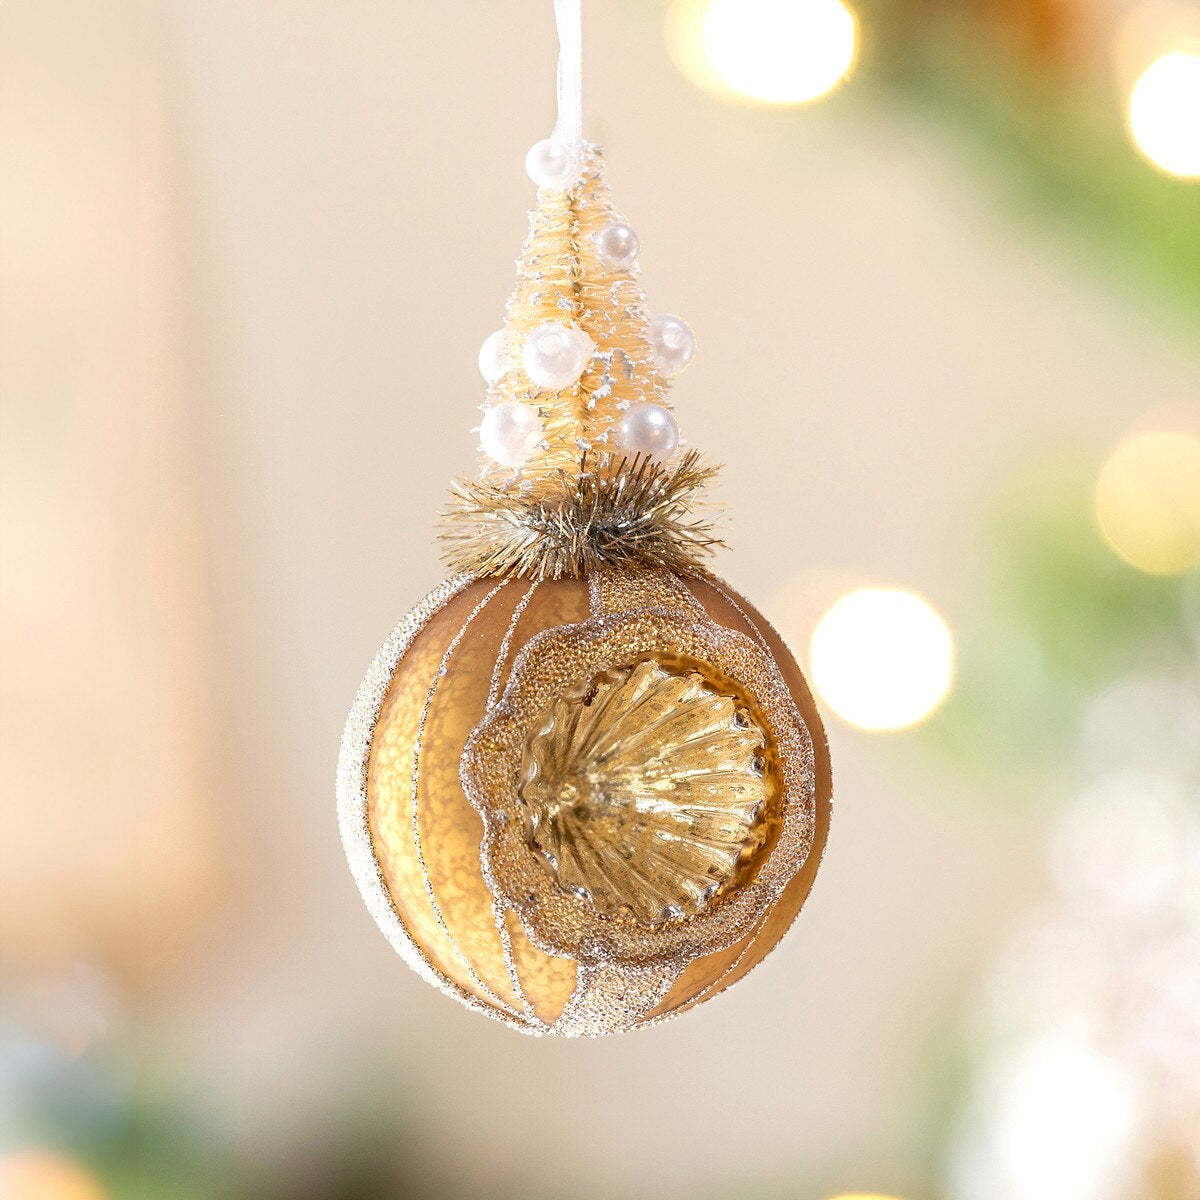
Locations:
{"points": [[568, 129]]}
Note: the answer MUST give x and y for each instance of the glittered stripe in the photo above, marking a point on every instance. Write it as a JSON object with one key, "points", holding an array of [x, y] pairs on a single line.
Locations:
{"points": [[416, 785], [498, 915], [613, 997], [352, 801], [715, 985], [758, 633], [498, 669], [498, 909], [613, 590]]}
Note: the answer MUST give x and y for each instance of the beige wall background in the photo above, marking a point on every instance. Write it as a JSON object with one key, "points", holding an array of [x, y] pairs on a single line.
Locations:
{"points": [[250, 251]]}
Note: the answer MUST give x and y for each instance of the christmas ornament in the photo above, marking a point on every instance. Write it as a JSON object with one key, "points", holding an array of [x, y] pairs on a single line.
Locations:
{"points": [[583, 786]]}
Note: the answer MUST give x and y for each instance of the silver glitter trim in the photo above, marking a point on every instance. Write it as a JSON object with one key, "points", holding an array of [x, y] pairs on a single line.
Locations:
{"points": [[514, 976], [502, 654], [715, 987], [737, 608], [352, 800], [613, 998], [498, 909], [443, 666]]}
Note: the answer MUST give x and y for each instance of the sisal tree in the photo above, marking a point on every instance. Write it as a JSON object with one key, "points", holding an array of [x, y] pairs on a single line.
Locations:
{"points": [[581, 461]]}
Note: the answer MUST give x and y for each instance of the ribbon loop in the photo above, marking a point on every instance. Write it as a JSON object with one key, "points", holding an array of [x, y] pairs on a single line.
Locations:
{"points": [[568, 129]]}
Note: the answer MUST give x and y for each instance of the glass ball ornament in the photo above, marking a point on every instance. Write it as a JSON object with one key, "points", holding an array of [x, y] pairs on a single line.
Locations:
{"points": [[553, 165], [555, 355], [673, 343], [493, 356], [648, 429], [618, 245], [584, 805], [510, 433]]}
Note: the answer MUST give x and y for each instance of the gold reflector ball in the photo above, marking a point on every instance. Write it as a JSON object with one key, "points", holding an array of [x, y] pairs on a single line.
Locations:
{"points": [[584, 805]]}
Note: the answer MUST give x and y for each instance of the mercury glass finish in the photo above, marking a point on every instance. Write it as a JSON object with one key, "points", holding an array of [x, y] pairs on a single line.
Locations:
{"points": [[647, 791]]}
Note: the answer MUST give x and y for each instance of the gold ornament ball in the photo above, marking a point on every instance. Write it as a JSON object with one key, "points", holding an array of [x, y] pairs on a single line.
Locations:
{"points": [[584, 805]]}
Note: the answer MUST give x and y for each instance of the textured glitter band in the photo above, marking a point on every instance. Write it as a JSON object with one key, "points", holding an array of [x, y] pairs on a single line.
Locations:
{"points": [[633, 614], [352, 797]]}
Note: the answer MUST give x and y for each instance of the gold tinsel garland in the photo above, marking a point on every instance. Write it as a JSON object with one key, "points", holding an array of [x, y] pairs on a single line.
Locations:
{"points": [[622, 512]]}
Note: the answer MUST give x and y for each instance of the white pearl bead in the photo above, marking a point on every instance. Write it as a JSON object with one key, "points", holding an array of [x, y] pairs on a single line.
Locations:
{"points": [[648, 429], [673, 343], [555, 355], [511, 433], [618, 245], [492, 356], [552, 164]]}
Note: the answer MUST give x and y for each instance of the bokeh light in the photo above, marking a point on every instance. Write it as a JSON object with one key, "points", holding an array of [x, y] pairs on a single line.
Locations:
{"points": [[1164, 113], [771, 51], [41, 1175], [69, 1008], [863, 1196], [1058, 1120], [1168, 1032], [882, 658], [1148, 501], [1054, 975], [1120, 845], [1145, 722]]}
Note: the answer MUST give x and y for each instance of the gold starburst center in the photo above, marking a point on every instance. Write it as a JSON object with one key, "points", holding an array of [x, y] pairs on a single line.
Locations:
{"points": [[650, 790]]}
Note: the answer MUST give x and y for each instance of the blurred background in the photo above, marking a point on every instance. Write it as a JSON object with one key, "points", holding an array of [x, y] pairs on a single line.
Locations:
{"points": [[943, 262]]}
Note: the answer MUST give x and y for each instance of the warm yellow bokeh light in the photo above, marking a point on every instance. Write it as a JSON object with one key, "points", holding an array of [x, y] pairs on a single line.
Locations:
{"points": [[772, 51], [1164, 113], [40, 1175], [1148, 501], [863, 1196], [881, 658]]}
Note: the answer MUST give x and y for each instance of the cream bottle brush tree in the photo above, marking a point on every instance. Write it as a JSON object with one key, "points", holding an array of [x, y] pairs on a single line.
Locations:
{"points": [[581, 449]]}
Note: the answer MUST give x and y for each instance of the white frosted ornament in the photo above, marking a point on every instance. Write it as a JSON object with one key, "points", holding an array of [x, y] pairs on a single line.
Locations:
{"points": [[555, 355], [673, 343], [492, 356], [552, 164], [510, 433], [618, 245], [648, 429]]}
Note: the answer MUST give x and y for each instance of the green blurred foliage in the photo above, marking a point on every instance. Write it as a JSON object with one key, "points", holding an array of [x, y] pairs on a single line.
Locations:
{"points": [[1048, 617], [145, 1142], [1018, 79]]}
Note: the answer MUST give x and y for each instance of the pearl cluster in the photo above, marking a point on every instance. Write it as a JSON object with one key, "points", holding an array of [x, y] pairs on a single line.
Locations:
{"points": [[556, 353]]}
